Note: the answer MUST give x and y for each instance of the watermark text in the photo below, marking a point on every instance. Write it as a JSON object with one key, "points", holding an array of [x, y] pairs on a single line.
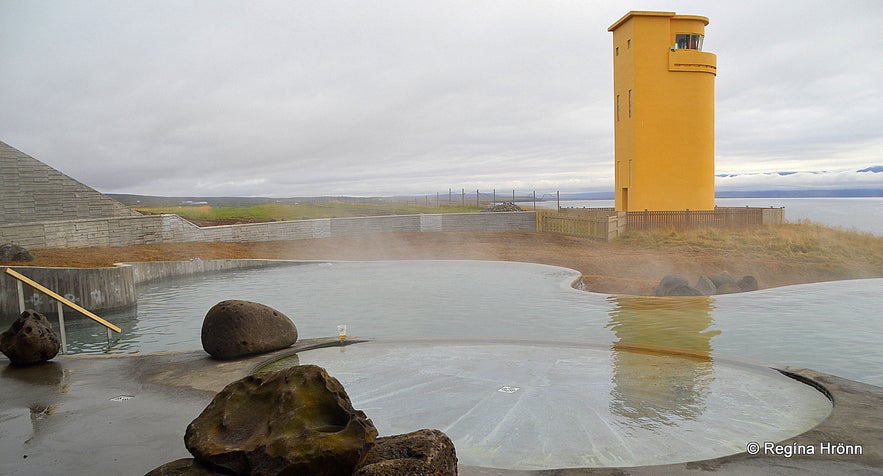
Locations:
{"points": [[824, 448]]}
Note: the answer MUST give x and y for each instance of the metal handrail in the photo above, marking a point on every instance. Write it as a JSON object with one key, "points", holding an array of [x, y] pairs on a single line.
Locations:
{"points": [[60, 300]]}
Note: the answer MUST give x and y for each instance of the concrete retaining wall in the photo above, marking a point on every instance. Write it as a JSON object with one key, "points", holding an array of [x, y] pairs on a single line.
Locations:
{"points": [[95, 232], [123, 231], [96, 289], [150, 271], [107, 289]]}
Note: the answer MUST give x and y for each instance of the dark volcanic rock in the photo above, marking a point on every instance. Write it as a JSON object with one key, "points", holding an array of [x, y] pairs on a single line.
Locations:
{"points": [[420, 453], [669, 282], [706, 286], [722, 279], [747, 283], [236, 328], [672, 285], [684, 291], [183, 467], [729, 288], [10, 252], [29, 340], [295, 421]]}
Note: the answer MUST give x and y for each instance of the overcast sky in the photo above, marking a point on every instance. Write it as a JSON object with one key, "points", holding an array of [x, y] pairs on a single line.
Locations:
{"points": [[292, 98]]}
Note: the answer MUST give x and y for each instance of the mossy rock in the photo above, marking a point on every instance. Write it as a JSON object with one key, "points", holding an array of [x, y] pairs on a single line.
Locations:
{"points": [[294, 421]]}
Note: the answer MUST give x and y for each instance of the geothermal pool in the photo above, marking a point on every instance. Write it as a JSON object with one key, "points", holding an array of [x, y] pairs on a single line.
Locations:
{"points": [[540, 405], [831, 327], [525, 372]]}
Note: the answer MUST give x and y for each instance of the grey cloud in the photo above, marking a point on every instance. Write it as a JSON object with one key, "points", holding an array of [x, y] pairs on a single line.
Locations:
{"points": [[299, 98]]}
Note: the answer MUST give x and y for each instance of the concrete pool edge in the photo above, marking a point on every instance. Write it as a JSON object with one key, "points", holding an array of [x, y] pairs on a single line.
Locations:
{"points": [[123, 277], [112, 288], [856, 417]]}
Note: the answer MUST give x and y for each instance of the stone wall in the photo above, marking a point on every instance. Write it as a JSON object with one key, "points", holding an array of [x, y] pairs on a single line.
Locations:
{"points": [[123, 231], [107, 289], [32, 191], [143, 272], [96, 289]]}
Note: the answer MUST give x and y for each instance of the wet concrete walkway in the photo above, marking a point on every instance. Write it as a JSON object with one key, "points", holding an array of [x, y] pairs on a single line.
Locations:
{"points": [[126, 414]]}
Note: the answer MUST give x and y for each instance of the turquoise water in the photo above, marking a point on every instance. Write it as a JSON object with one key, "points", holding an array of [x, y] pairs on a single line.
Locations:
{"points": [[833, 327]]}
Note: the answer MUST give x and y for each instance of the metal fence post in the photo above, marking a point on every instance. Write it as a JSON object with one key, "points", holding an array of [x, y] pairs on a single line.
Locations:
{"points": [[60, 308], [21, 296]]}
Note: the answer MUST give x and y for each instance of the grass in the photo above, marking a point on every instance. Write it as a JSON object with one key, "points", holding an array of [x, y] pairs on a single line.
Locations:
{"points": [[803, 241], [295, 211]]}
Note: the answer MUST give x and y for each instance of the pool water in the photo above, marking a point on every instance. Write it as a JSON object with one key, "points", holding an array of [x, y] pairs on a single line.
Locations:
{"points": [[475, 299], [531, 405], [568, 389]]}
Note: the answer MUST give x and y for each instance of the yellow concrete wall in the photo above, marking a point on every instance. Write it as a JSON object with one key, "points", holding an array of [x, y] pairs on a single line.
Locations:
{"points": [[665, 144]]}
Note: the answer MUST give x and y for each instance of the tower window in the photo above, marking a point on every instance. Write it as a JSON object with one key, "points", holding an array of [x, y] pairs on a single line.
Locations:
{"points": [[630, 103], [686, 41], [617, 107]]}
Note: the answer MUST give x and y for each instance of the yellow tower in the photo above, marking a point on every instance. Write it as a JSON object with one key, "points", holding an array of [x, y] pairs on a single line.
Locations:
{"points": [[664, 112]]}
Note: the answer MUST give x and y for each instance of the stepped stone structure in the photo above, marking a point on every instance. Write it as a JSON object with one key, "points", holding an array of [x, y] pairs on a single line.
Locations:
{"points": [[31, 191], [41, 207]]}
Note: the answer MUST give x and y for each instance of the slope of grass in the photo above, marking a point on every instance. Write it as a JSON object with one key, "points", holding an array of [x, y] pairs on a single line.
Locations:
{"points": [[805, 242], [291, 211]]}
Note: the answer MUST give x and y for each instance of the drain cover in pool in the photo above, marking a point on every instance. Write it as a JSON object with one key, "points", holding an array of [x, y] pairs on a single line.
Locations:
{"points": [[544, 406]]}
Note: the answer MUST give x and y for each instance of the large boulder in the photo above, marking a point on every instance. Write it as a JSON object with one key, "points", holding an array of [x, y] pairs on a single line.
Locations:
{"points": [[294, 421], [669, 282], [747, 283], [10, 252], [706, 286], [184, 467], [420, 453], [722, 279], [673, 285], [728, 288], [235, 328], [29, 340]]}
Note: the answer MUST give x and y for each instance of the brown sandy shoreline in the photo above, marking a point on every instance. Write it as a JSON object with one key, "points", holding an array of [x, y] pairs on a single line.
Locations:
{"points": [[607, 267]]}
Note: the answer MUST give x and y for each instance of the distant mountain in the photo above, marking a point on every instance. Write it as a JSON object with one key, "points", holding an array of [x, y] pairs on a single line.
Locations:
{"points": [[156, 201], [782, 173], [863, 192], [875, 169], [806, 193], [586, 196]]}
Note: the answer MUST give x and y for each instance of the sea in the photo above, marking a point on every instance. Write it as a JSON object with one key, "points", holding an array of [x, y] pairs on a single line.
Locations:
{"points": [[863, 214]]}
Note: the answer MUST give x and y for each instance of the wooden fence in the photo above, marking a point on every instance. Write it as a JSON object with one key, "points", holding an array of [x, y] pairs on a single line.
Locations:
{"points": [[720, 217], [600, 226], [606, 223], [587, 212]]}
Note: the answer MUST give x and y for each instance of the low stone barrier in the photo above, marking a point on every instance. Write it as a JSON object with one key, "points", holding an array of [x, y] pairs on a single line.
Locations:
{"points": [[148, 229], [96, 289], [108, 289]]}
